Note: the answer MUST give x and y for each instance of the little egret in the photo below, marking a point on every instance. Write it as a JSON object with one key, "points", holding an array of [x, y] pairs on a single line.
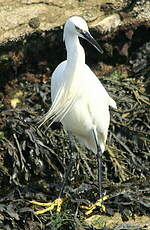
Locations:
{"points": [[79, 100]]}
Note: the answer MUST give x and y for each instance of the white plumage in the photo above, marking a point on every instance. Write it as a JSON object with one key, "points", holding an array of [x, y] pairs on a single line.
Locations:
{"points": [[79, 100]]}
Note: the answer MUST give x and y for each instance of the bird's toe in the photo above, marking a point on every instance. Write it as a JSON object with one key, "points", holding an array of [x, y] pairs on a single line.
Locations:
{"points": [[98, 203], [56, 204]]}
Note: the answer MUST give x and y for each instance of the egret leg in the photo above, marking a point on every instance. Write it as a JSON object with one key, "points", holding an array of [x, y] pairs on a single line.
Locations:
{"points": [[99, 164], [68, 172], [58, 202], [99, 202]]}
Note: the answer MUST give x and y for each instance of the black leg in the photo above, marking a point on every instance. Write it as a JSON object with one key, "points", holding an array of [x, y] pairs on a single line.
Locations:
{"points": [[99, 162], [68, 171]]}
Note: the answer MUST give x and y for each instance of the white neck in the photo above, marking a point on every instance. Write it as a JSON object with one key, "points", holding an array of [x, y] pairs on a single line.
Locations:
{"points": [[75, 53], [75, 64]]}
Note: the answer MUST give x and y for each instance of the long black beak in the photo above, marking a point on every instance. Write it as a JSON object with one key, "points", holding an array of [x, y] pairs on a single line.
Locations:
{"points": [[91, 40]]}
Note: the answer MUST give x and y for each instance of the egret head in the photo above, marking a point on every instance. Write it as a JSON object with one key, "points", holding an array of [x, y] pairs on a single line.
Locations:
{"points": [[77, 26]]}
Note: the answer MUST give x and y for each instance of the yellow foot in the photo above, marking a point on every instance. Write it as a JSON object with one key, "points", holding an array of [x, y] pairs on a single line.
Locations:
{"points": [[50, 205], [98, 203]]}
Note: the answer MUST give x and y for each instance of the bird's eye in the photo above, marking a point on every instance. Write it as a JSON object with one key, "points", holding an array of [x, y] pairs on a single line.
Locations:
{"points": [[78, 29]]}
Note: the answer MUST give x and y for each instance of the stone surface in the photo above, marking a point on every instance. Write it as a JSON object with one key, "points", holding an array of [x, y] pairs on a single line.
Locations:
{"points": [[23, 17]]}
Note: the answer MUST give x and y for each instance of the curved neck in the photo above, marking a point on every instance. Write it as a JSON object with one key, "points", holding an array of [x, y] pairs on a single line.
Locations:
{"points": [[75, 52]]}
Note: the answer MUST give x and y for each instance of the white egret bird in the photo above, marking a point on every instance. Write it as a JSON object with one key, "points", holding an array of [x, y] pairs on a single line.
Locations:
{"points": [[79, 100]]}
